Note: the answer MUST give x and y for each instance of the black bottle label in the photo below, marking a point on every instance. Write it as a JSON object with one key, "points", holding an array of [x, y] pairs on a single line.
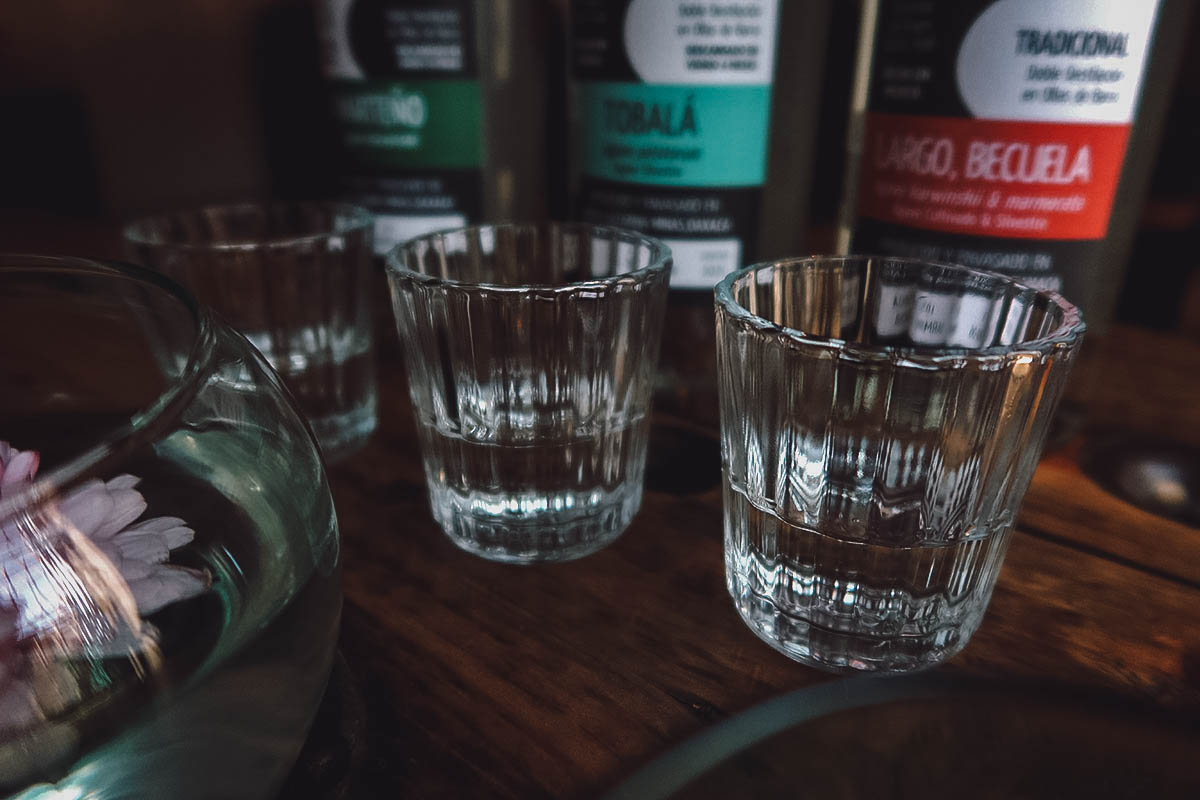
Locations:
{"points": [[996, 130], [405, 93], [673, 104]]}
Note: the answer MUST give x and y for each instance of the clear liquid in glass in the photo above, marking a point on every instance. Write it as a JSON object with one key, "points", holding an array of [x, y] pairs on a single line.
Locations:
{"points": [[543, 499], [332, 378], [241, 667], [856, 604]]}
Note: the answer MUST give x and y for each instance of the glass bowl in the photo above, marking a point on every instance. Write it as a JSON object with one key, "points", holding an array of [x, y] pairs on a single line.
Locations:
{"points": [[169, 581]]}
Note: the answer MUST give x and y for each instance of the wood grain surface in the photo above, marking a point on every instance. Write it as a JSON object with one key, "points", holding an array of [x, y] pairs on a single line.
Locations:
{"points": [[488, 680], [485, 680], [1147, 387]]}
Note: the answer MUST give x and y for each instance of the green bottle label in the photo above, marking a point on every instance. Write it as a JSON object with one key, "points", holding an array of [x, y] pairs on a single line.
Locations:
{"points": [[405, 93], [666, 135], [673, 106], [412, 123]]}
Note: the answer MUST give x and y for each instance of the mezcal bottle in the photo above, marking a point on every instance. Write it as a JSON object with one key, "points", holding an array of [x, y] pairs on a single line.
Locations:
{"points": [[694, 123], [440, 107], [1011, 135]]}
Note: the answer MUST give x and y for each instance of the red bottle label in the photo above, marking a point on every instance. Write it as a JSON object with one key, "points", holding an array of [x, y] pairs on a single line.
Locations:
{"points": [[1021, 180], [996, 131]]}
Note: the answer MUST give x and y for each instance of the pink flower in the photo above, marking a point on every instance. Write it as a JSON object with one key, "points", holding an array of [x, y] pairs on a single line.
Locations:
{"points": [[106, 513], [76, 575], [17, 468]]}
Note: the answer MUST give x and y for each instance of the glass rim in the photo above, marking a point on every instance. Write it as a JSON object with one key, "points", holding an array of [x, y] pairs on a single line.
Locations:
{"points": [[738, 734], [1066, 334], [144, 423], [354, 218], [660, 258]]}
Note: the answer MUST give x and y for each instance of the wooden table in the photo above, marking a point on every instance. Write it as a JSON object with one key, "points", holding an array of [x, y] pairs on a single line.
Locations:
{"points": [[487, 680]]}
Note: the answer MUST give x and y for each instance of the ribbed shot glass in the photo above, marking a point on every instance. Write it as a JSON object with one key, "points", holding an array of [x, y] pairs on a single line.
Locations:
{"points": [[531, 352], [880, 422], [294, 278]]}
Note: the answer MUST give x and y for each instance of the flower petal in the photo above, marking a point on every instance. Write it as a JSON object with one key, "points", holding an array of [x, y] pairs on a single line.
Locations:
{"points": [[130, 569], [158, 524], [173, 530], [87, 507], [178, 536], [20, 470], [149, 547], [167, 585], [124, 481], [109, 550], [128, 505]]}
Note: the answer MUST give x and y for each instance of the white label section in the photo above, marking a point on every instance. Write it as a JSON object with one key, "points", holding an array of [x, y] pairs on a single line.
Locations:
{"points": [[934, 317], [893, 309], [391, 230], [851, 296], [336, 59], [977, 319], [702, 43], [702, 263], [1060, 61]]}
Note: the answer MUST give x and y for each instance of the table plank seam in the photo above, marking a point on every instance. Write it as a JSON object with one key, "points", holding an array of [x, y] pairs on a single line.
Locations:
{"points": [[1073, 544]]}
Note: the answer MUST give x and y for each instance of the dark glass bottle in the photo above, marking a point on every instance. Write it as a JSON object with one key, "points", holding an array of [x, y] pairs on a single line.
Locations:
{"points": [[1014, 136], [440, 108], [693, 122]]}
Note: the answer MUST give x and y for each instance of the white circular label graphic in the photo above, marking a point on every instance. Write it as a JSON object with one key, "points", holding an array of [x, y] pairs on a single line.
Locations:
{"points": [[337, 59], [1061, 61], [702, 43]]}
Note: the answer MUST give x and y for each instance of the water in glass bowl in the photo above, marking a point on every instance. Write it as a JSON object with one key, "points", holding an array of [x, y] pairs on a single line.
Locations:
{"points": [[240, 668]]}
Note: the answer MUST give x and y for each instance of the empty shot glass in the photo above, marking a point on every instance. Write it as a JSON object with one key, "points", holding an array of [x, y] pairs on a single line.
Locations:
{"points": [[880, 422], [294, 279], [531, 352]]}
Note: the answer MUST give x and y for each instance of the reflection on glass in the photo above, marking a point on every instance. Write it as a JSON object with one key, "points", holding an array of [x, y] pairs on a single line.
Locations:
{"points": [[169, 589]]}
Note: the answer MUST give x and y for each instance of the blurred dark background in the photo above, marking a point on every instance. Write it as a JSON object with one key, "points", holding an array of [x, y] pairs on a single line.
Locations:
{"points": [[126, 106], [117, 108]]}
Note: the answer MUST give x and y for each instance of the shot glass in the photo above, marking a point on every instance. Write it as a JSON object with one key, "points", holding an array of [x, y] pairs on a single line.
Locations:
{"points": [[880, 422], [531, 353], [294, 279]]}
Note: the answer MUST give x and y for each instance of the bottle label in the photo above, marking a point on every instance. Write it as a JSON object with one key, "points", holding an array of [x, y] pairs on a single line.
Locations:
{"points": [[996, 131], [673, 105], [406, 97]]}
